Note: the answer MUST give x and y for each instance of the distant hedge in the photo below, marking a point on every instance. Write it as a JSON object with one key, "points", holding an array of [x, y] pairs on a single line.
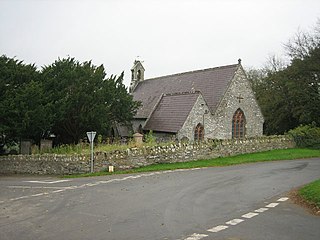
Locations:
{"points": [[306, 136]]}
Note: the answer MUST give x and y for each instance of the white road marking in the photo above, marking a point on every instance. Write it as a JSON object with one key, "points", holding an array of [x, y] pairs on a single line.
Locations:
{"points": [[61, 190], [283, 199], [48, 181], [91, 184], [261, 210], [196, 236], [34, 187], [217, 228], [234, 221], [36, 195], [272, 205], [250, 215], [18, 198]]}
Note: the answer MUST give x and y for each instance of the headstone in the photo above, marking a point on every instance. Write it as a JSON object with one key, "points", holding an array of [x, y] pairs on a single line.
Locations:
{"points": [[25, 147], [45, 144]]}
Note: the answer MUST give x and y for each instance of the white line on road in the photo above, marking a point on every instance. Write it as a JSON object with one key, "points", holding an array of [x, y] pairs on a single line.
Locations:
{"points": [[36, 195], [272, 205], [48, 181], [60, 190], [217, 228], [250, 215], [283, 199], [234, 221], [18, 198], [261, 210], [33, 187], [196, 236]]}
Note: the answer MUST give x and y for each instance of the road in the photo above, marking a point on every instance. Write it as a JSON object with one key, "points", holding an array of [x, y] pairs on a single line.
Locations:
{"points": [[244, 202]]}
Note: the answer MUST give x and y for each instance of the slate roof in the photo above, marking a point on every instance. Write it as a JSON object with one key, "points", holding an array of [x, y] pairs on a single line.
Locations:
{"points": [[212, 83], [171, 112]]}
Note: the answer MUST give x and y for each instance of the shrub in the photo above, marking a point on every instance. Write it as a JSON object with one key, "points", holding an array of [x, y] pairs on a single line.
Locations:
{"points": [[306, 136], [149, 138]]}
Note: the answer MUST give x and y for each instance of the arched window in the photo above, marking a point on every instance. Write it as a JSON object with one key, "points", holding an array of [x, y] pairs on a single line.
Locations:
{"points": [[139, 75], [140, 130], [238, 124], [199, 132]]}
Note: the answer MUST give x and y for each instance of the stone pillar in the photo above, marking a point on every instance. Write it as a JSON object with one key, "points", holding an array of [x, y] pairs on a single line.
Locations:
{"points": [[137, 137]]}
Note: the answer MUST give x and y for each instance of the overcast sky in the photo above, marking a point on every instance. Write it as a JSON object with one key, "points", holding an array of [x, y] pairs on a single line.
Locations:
{"points": [[170, 36]]}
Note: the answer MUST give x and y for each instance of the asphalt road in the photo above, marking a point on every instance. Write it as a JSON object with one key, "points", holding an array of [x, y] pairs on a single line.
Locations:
{"points": [[246, 202]]}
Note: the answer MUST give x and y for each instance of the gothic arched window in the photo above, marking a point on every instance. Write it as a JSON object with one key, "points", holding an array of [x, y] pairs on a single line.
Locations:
{"points": [[199, 132], [139, 75], [238, 124]]}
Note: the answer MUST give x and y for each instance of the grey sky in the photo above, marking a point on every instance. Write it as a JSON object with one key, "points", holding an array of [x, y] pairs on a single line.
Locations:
{"points": [[171, 36]]}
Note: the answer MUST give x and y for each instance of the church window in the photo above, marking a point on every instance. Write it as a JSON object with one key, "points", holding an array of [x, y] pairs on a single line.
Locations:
{"points": [[199, 133], [238, 124], [140, 130], [139, 75]]}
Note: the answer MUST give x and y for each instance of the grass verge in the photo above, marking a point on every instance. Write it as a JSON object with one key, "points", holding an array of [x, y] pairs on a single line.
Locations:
{"points": [[274, 155], [311, 193]]}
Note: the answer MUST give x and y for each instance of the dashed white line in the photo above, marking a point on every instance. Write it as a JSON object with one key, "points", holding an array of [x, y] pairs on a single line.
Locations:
{"points": [[250, 215], [234, 221], [217, 228], [283, 199], [196, 236], [272, 205], [261, 210]]}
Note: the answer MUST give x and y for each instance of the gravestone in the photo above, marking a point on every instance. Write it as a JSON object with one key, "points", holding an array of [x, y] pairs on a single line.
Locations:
{"points": [[25, 147], [45, 144]]}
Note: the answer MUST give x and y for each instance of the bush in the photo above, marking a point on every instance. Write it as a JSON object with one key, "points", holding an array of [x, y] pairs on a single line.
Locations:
{"points": [[149, 138], [306, 136]]}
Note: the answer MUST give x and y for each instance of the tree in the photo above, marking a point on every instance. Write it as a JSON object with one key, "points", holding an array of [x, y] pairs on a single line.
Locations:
{"points": [[300, 46], [290, 95], [82, 100], [67, 98], [22, 102]]}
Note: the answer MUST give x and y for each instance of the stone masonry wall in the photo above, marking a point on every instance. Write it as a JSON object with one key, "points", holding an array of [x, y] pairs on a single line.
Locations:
{"points": [[136, 157], [239, 87]]}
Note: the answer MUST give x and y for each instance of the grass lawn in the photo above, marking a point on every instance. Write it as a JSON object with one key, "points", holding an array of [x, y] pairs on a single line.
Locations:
{"points": [[311, 193], [274, 155]]}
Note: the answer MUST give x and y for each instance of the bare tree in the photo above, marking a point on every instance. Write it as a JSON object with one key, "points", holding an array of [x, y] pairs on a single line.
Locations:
{"points": [[303, 42]]}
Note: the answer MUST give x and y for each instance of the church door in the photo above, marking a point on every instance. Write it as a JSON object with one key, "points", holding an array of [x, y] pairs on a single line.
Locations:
{"points": [[238, 124], [199, 133]]}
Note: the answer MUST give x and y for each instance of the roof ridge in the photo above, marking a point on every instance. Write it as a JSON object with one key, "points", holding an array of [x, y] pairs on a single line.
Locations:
{"points": [[189, 72], [181, 93]]}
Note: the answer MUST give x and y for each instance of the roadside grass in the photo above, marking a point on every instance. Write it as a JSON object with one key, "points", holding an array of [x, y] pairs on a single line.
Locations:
{"points": [[311, 193], [274, 155]]}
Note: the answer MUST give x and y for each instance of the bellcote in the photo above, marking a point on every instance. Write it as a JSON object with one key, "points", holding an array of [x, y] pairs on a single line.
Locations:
{"points": [[137, 74]]}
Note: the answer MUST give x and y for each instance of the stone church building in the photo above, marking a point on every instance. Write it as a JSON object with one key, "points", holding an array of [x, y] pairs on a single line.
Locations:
{"points": [[214, 103]]}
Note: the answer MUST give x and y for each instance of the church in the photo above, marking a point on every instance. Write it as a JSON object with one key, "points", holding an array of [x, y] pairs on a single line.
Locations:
{"points": [[214, 103]]}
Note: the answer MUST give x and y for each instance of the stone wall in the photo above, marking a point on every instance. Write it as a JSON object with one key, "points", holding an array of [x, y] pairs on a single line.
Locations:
{"points": [[199, 113], [136, 157]]}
